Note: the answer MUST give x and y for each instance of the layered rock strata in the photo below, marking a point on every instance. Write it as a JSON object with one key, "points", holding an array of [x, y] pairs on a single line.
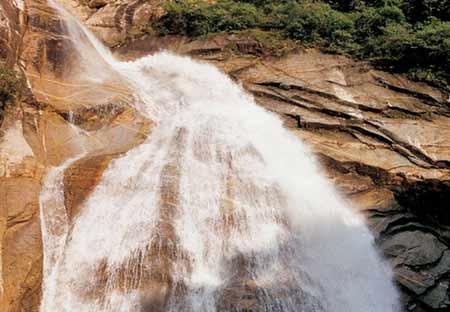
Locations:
{"points": [[383, 140]]}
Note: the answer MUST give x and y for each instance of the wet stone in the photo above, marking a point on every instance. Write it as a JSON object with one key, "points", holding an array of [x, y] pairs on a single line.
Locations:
{"points": [[443, 266], [414, 248], [418, 283], [438, 297]]}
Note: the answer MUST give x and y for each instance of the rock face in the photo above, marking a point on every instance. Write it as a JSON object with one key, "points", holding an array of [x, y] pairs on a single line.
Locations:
{"points": [[37, 133], [383, 140]]}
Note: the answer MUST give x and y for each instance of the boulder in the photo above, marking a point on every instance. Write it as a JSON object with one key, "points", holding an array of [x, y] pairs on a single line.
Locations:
{"points": [[414, 248]]}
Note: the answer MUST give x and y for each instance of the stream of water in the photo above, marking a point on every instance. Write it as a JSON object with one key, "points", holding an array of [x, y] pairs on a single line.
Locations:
{"points": [[220, 209]]}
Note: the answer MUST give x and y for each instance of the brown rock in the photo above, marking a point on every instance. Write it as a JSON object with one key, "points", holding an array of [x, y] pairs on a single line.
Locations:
{"points": [[20, 236], [80, 180], [438, 297], [415, 282], [37, 135], [414, 248], [382, 139]]}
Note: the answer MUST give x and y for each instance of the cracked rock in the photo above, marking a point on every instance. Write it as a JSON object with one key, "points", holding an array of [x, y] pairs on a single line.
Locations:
{"points": [[438, 297], [414, 248]]}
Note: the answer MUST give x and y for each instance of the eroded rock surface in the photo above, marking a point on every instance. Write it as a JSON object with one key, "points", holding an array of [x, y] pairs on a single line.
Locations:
{"points": [[383, 140], [59, 116]]}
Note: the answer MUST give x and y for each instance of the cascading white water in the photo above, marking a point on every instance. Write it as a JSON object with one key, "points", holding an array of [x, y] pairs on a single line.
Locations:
{"points": [[220, 209]]}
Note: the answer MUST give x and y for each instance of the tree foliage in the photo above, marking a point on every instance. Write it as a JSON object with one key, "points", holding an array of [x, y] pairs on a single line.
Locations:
{"points": [[411, 36], [10, 86]]}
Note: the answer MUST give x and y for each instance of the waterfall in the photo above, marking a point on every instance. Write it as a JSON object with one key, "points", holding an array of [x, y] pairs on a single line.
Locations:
{"points": [[220, 209]]}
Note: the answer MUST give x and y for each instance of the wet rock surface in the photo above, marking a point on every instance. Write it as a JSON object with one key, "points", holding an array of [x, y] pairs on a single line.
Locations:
{"points": [[38, 132], [383, 140]]}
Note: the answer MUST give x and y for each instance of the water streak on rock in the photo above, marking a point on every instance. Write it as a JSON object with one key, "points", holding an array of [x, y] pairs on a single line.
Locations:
{"points": [[206, 214]]}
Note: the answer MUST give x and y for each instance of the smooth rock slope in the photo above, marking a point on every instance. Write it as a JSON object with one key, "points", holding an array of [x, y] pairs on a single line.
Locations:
{"points": [[383, 140]]}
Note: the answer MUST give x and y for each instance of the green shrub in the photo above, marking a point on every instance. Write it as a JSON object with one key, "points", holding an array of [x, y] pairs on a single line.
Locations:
{"points": [[344, 5], [433, 49], [309, 22], [421, 10], [390, 32], [433, 37], [370, 21], [10, 86], [196, 18]]}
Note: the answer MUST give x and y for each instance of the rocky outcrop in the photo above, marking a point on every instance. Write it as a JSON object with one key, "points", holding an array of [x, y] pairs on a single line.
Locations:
{"points": [[117, 21], [383, 140]]}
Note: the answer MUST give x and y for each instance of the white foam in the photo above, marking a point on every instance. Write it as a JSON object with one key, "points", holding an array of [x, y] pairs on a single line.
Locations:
{"points": [[243, 196]]}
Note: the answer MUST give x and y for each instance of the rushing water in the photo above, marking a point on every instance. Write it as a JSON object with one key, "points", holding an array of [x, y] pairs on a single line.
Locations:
{"points": [[220, 209]]}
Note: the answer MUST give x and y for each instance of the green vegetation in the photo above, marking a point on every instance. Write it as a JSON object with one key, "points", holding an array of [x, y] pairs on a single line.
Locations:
{"points": [[409, 36], [10, 86]]}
